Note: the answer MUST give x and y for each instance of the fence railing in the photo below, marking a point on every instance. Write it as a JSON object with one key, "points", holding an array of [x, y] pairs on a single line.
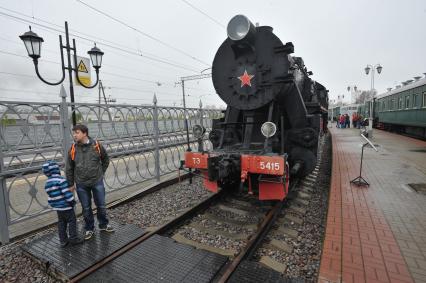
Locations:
{"points": [[144, 143]]}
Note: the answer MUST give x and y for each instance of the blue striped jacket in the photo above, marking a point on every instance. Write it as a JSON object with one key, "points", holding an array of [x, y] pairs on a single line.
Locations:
{"points": [[60, 196]]}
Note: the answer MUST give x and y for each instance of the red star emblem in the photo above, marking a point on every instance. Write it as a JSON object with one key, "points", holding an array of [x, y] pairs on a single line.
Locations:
{"points": [[245, 79]]}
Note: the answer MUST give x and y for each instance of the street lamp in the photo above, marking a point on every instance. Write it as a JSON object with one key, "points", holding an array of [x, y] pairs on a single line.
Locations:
{"points": [[367, 70], [33, 43], [354, 89]]}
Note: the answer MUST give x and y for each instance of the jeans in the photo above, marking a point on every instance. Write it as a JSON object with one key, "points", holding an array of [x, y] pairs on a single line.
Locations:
{"points": [[85, 196], [67, 221]]}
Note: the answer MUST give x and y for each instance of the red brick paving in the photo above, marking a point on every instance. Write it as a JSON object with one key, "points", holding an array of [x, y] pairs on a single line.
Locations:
{"points": [[359, 245]]}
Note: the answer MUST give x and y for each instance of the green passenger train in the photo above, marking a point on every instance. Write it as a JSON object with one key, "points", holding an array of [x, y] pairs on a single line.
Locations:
{"points": [[401, 110]]}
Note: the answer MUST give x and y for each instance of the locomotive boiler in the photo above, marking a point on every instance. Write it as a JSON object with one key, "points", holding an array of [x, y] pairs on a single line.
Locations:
{"points": [[274, 116]]}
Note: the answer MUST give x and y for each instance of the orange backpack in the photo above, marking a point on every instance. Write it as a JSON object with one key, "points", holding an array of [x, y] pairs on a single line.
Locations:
{"points": [[72, 150]]}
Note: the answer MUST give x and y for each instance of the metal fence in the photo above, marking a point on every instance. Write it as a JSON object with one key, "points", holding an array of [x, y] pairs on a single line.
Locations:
{"points": [[143, 142]]}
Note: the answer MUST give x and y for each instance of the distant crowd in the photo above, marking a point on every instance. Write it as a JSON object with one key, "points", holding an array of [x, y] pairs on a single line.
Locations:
{"points": [[344, 121]]}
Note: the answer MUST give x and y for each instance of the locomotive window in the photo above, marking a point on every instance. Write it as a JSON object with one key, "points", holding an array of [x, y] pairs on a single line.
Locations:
{"points": [[400, 103], [407, 102], [415, 100]]}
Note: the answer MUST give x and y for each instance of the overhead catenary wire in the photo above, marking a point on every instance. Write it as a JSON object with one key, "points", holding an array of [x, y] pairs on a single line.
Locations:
{"points": [[54, 30], [92, 37], [158, 83], [119, 88], [131, 52], [51, 51], [143, 33], [98, 39], [56, 63], [204, 13]]}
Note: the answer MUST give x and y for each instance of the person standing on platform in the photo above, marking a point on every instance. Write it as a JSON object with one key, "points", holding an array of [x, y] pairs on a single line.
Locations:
{"points": [[347, 121], [86, 165], [342, 121], [61, 199]]}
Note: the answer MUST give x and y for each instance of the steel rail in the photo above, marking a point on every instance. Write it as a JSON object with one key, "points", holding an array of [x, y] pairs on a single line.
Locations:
{"points": [[256, 239], [167, 226]]}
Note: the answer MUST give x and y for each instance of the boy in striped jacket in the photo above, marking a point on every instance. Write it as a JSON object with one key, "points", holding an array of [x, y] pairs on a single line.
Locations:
{"points": [[61, 199]]}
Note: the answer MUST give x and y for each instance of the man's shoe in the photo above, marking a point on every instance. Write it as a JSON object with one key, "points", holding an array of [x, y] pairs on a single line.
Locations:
{"points": [[76, 241], [63, 244], [107, 228], [88, 235]]}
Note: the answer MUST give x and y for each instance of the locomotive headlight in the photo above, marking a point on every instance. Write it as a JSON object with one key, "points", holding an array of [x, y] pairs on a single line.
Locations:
{"points": [[198, 131], [239, 27], [268, 129]]}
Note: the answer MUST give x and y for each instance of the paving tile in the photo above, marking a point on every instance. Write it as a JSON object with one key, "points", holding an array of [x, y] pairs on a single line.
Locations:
{"points": [[384, 220]]}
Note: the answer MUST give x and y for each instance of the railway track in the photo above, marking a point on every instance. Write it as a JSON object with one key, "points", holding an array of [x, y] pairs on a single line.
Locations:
{"points": [[252, 218], [234, 226], [158, 230]]}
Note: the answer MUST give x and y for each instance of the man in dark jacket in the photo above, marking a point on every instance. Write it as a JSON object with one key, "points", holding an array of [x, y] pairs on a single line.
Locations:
{"points": [[86, 165]]}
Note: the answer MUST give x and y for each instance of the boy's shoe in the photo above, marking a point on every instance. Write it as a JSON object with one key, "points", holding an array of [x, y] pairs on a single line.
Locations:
{"points": [[88, 235], [76, 241], [63, 244], [107, 228]]}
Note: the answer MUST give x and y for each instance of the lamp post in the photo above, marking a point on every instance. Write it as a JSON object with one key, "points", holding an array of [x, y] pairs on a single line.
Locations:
{"points": [[354, 88], [331, 105], [33, 45], [367, 70]]}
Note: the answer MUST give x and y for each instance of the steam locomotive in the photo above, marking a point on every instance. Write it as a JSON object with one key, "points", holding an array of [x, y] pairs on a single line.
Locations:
{"points": [[274, 116]]}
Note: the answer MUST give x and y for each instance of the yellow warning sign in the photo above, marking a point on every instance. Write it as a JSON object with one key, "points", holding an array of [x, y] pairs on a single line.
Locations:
{"points": [[83, 70], [85, 81], [81, 67]]}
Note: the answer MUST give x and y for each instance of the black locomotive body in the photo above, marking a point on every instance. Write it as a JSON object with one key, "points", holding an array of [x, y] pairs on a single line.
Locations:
{"points": [[274, 116]]}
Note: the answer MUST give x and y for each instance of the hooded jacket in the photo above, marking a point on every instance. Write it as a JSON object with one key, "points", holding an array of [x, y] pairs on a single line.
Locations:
{"points": [[88, 166], [56, 187]]}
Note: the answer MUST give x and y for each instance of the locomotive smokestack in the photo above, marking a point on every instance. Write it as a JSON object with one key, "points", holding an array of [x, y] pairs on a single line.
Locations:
{"points": [[240, 28]]}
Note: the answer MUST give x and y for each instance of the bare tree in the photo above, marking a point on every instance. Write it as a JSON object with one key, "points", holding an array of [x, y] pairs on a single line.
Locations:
{"points": [[365, 95]]}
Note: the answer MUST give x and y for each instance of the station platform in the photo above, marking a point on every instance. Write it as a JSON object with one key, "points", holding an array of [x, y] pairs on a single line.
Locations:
{"points": [[376, 233]]}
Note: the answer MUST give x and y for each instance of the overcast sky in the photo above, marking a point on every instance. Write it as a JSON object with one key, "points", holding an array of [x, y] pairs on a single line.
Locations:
{"points": [[336, 39]]}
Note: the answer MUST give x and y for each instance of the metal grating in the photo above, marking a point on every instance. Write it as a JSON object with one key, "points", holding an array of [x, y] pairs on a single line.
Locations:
{"points": [[254, 272], [160, 259], [71, 260]]}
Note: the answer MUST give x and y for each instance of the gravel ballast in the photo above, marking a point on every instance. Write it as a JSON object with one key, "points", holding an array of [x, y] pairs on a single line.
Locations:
{"points": [[152, 210]]}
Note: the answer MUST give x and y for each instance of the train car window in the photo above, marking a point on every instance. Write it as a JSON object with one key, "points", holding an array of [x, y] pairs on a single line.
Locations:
{"points": [[407, 102], [415, 100], [424, 99]]}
